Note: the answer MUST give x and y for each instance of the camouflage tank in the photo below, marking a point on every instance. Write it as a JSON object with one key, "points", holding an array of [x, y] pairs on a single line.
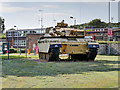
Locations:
{"points": [[64, 40]]}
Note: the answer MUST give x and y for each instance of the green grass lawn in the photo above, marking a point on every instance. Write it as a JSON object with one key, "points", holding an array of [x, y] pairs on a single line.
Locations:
{"points": [[25, 73], [12, 56]]}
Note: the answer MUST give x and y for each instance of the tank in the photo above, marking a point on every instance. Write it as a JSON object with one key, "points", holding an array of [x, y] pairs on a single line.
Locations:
{"points": [[70, 41]]}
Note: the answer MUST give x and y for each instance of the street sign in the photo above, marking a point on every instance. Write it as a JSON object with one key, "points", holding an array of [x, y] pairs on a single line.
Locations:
{"points": [[5, 48], [110, 32]]}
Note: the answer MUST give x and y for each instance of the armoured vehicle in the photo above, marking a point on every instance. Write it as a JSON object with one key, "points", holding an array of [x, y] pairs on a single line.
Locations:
{"points": [[64, 40]]}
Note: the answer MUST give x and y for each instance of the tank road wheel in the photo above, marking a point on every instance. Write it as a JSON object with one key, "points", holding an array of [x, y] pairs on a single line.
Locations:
{"points": [[80, 57], [54, 54], [92, 54], [47, 56], [74, 57], [40, 55], [44, 56]]}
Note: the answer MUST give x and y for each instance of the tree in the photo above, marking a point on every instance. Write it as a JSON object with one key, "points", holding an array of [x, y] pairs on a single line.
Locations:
{"points": [[2, 26], [4, 35], [97, 23], [11, 29]]}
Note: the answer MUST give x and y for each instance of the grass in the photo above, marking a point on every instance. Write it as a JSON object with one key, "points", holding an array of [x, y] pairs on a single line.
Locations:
{"points": [[24, 73], [13, 56], [117, 42]]}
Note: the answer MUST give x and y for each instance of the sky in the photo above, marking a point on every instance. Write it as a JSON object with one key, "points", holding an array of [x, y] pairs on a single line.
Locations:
{"points": [[26, 15]]}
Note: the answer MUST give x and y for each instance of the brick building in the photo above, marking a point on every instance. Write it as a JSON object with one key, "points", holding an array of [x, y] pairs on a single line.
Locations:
{"points": [[116, 35], [32, 40], [102, 34], [17, 38]]}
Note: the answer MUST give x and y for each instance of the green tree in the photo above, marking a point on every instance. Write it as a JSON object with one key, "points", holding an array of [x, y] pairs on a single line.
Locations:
{"points": [[2, 26], [11, 29], [97, 23], [4, 35]]}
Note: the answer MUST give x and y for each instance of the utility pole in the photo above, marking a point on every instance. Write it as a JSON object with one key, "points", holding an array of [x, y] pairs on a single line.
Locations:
{"points": [[17, 38], [8, 49], [109, 26], [26, 47]]}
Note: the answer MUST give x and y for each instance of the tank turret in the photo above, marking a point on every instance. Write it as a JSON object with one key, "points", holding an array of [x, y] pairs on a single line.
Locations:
{"points": [[62, 29]]}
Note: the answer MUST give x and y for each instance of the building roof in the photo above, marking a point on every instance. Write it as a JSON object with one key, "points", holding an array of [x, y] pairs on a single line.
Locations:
{"points": [[25, 30], [68, 29], [35, 33]]}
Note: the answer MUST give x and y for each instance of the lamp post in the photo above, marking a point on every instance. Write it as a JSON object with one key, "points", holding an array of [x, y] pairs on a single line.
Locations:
{"points": [[26, 46], [41, 19], [17, 38], [74, 20]]}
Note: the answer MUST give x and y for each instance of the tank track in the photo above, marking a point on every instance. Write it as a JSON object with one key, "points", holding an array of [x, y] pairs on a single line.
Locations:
{"points": [[85, 57], [52, 55], [92, 54]]}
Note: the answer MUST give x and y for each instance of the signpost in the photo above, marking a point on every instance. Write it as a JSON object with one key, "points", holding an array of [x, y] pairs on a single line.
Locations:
{"points": [[8, 50], [110, 32], [5, 48], [109, 35]]}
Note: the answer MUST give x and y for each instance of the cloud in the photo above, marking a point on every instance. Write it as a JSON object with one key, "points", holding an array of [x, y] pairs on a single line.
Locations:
{"points": [[50, 6], [56, 0], [5, 8], [12, 0], [55, 14]]}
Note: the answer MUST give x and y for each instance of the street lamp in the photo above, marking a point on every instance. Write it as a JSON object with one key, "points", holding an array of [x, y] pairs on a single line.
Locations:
{"points": [[17, 38], [74, 20], [41, 19]]}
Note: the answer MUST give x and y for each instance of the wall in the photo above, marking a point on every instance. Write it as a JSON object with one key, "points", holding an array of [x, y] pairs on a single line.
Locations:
{"points": [[114, 49], [102, 49]]}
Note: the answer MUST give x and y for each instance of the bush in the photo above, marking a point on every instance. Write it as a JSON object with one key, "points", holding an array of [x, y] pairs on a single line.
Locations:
{"points": [[14, 50], [22, 50], [11, 50]]}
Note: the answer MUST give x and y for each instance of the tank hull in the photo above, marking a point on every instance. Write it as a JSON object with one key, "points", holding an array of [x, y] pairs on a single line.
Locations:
{"points": [[77, 48]]}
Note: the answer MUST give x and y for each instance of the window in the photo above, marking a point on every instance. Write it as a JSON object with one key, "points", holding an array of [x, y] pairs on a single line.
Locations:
{"points": [[15, 33], [9, 34], [43, 31], [40, 31], [34, 31], [20, 43], [15, 42]]}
